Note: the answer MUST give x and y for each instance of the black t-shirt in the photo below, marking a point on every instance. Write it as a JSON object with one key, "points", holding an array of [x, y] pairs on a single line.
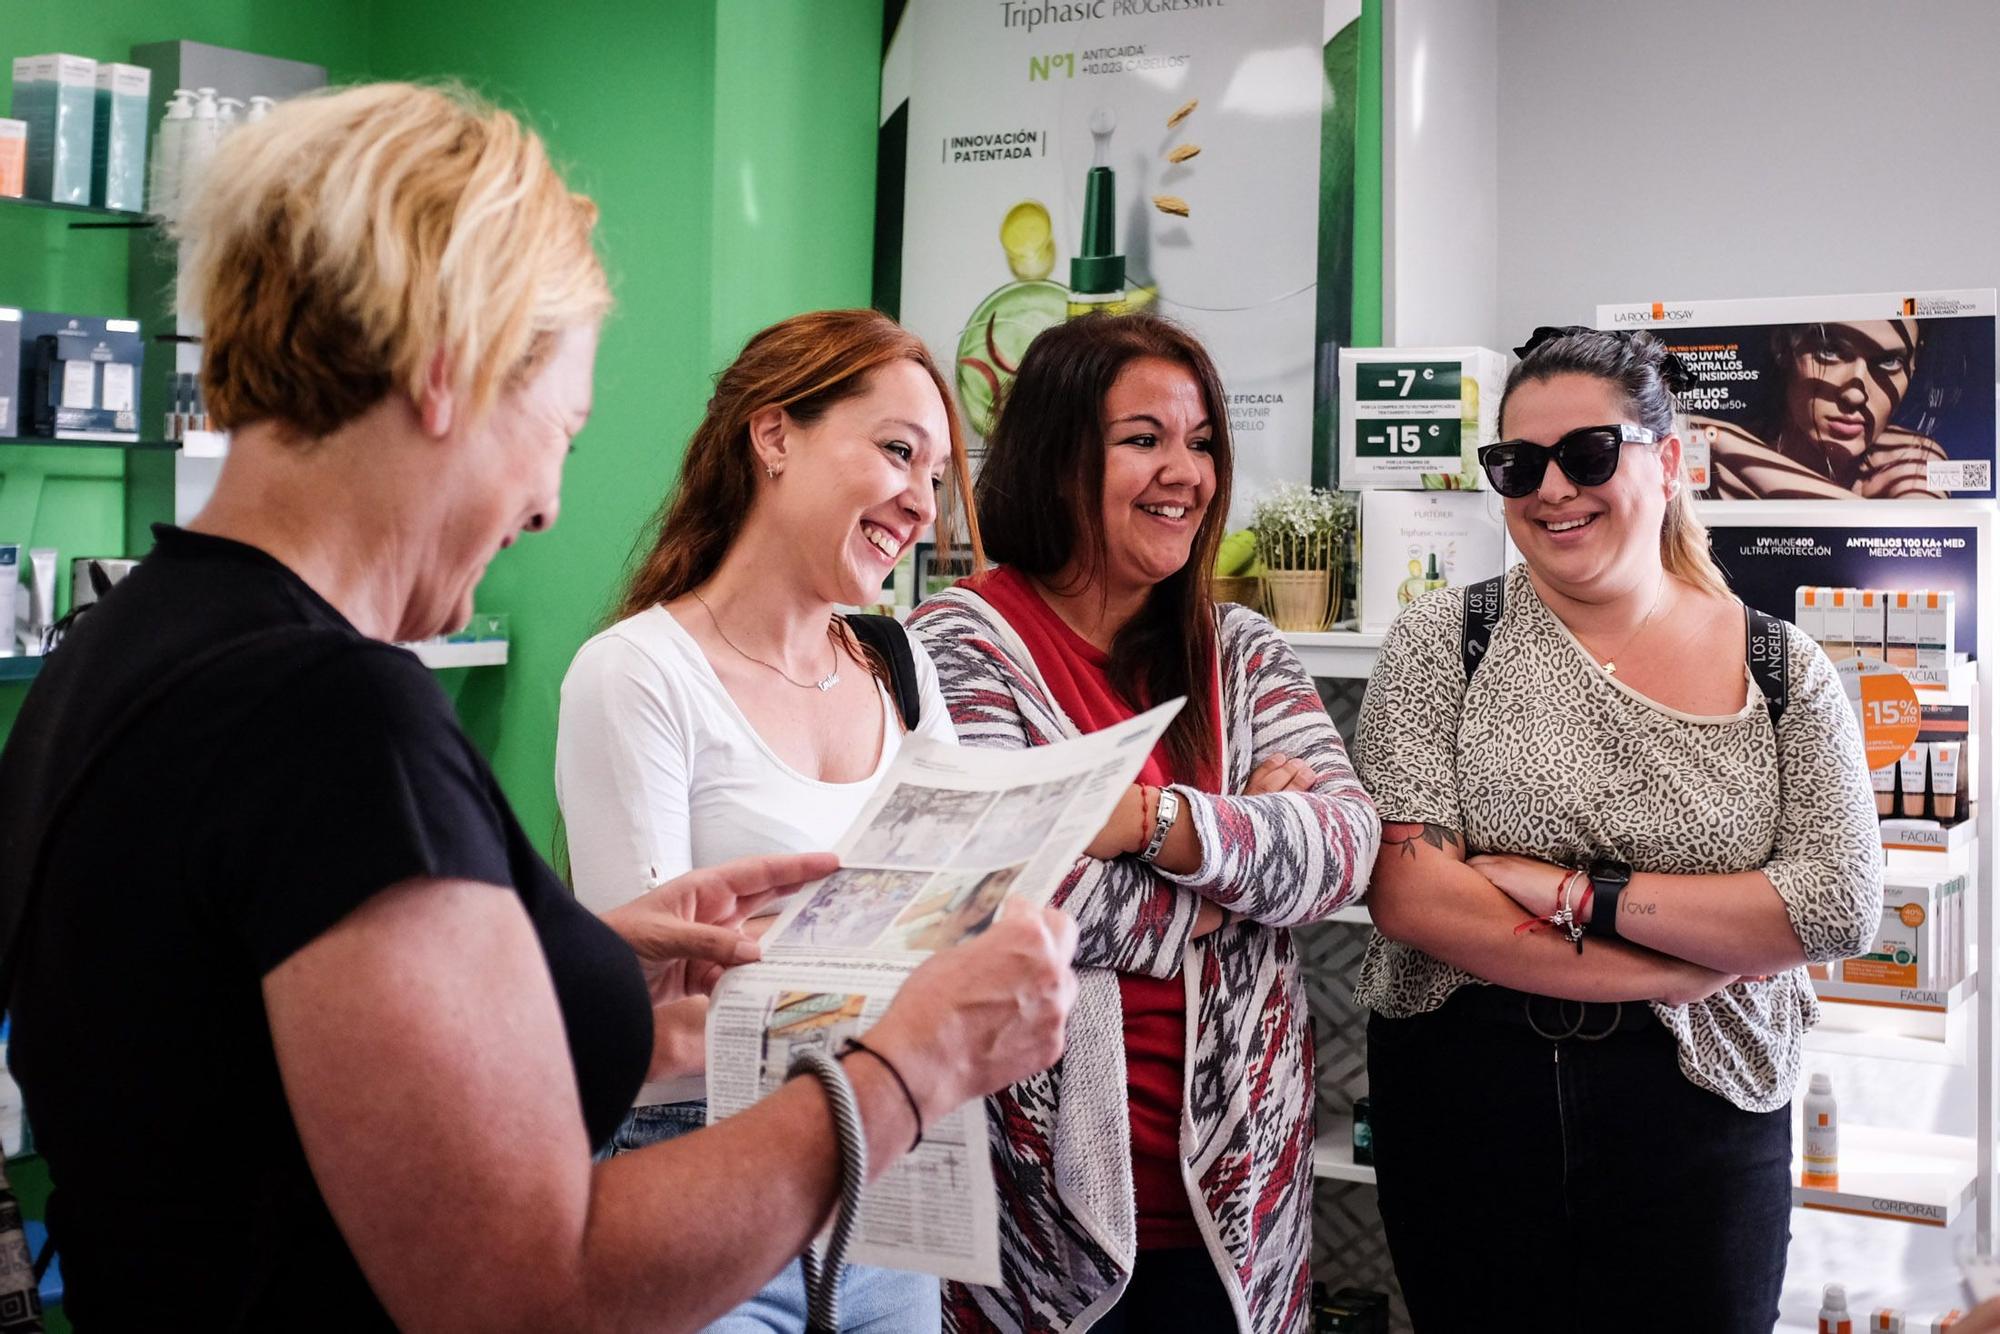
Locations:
{"points": [[260, 800]]}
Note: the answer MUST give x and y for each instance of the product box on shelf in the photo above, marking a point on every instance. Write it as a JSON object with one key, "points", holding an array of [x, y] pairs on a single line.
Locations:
{"points": [[57, 96], [79, 377], [1916, 550], [13, 158], [1414, 417], [1918, 946], [1413, 542], [10, 372], [1834, 397], [118, 140]]}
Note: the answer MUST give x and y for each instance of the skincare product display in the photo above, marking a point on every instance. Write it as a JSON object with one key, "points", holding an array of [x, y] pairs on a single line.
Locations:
{"points": [[91, 577], [1822, 1137], [1414, 542], [13, 158], [10, 372], [79, 377], [1923, 943], [10, 587], [188, 412], [1914, 632], [35, 601], [1833, 1316], [57, 96], [118, 143], [1902, 627]]}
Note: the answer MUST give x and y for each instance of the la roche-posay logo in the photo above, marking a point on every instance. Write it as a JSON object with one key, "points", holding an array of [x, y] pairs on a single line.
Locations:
{"points": [[1659, 312]]}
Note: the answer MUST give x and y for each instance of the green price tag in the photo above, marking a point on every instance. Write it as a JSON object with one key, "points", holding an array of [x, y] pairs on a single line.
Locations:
{"points": [[1387, 438], [1422, 381]]}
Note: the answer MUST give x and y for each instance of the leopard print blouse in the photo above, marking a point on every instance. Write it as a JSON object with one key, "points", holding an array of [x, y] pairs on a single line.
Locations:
{"points": [[1545, 755]]}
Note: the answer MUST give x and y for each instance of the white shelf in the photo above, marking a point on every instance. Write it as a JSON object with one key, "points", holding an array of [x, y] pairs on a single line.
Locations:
{"points": [[1901, 1175], [475, 653], [1333, 1155], [1336, 653], [1890, 1174], [1355, 914]]}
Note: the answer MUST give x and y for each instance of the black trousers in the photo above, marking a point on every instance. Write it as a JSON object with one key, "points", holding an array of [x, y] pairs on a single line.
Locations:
{"points": [[1575, 1185], [1174, 1289]]}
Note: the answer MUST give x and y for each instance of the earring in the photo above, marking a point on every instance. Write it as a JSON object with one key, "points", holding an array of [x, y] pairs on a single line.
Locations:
{"points": [[770, 471]]}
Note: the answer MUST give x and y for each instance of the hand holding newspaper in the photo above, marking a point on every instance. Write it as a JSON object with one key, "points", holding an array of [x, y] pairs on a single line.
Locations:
{"points": [[949, 835]]}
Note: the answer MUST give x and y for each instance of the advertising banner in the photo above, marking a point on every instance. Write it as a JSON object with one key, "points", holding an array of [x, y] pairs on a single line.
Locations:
{"points": [[1872, 397], [1110, 155], [1768, 562]]}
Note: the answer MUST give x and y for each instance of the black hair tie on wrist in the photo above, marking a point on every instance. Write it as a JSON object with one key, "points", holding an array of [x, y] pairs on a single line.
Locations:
{"points": [[856, 1044]]}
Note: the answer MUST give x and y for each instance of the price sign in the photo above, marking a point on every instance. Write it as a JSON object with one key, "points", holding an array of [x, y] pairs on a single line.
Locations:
{"points": [[1395, 438], [1886, 703], [1406, 381]]}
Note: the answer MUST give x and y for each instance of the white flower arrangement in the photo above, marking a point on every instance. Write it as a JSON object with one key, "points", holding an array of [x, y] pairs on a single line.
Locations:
{"points": [[1302, 527]]}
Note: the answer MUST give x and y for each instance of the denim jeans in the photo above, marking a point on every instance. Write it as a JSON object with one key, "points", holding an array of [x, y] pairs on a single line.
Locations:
{"points": [[872, 1301], [1575, 1186]]}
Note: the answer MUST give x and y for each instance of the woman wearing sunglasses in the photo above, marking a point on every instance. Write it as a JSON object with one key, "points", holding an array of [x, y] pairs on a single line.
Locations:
{"points": [[1606, 860]]}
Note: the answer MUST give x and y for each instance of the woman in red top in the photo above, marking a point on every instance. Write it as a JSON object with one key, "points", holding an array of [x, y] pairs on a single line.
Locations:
{"points": [[1161, 1178]]}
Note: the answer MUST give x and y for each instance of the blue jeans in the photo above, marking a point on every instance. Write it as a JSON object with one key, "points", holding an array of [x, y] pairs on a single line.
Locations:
{"points": [[872, 1301]]}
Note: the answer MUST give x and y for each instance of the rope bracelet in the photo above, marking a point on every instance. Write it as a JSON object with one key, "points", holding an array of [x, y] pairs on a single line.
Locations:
{"points": [[856, 1044], [822, 1271]]}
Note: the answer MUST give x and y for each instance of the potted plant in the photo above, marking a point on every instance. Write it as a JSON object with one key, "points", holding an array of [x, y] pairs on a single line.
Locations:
{"points": [[1302, 538]]}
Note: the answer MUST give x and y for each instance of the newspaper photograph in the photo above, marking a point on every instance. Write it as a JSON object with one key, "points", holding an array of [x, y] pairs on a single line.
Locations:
{"points": [[947, 838]]}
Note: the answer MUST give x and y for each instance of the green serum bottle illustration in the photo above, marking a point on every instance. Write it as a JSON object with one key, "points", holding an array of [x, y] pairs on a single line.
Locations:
{"points": [[1097, 271]]}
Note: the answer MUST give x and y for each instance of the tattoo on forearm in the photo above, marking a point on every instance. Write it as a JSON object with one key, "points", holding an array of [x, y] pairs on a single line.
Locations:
{"points": [[1632, 907], [1437, 835]]}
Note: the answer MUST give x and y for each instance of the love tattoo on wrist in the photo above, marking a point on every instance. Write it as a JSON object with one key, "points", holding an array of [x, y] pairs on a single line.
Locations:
{"points": [[1407, 837]]}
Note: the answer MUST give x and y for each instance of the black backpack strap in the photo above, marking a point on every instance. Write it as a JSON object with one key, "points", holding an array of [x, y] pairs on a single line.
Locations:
{"points": [[1484, 602], [1769, 654], [886, 638]]}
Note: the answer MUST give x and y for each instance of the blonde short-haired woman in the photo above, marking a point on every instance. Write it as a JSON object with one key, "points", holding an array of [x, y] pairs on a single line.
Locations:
{"points": [[267, 907]]}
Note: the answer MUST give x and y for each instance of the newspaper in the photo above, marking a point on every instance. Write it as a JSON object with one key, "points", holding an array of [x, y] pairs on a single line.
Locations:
{"points": [[949, 835]]}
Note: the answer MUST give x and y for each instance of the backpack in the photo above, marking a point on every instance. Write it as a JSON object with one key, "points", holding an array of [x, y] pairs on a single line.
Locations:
{"points": [[1765, 645], [885, 637]]}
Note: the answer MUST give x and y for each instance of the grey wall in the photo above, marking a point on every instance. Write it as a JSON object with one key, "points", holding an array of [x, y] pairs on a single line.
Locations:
{"points": [[1743, 148]]}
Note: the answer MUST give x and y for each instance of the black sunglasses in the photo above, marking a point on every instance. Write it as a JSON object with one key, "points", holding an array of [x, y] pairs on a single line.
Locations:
{"points": [[1587, 456]]}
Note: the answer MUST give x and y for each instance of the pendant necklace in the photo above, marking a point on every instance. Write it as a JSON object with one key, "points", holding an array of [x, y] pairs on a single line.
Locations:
{"points": [[1610, 664], [825, 683]]}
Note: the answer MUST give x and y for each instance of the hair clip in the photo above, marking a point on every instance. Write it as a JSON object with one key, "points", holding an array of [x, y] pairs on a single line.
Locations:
{"points": [[1676, 374], [1547, 333]]}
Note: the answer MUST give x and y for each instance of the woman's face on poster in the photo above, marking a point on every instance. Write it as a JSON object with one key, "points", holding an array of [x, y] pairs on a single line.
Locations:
{"points": [[1846, 380]]}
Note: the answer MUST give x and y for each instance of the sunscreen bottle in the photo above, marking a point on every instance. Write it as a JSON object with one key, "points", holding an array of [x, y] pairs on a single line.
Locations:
{"points": [[1833, 1317], [1822, 1165]]}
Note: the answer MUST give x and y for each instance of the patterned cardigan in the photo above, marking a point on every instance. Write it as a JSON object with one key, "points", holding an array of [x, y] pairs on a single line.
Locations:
{"points": [[1061, 1140]]}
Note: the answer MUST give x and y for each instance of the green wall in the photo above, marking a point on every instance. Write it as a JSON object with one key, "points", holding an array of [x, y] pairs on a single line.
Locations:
{"points": [[730, 145]]}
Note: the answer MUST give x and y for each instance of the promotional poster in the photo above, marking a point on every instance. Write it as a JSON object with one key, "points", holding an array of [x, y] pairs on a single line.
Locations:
{"points": [[1767, 563], [1415, 418], [1414, 542], [1876, 397], [1114, 155]]}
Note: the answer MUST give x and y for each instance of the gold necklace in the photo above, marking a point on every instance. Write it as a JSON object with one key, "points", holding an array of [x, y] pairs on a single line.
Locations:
{"points": [[1610, 664], [825, 683]]}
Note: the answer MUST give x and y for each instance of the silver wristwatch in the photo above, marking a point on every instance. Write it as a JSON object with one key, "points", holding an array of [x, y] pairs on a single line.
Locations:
{"points": [[1163, 820]]}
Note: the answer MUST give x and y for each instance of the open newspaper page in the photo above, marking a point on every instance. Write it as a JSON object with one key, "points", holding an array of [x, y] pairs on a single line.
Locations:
{"points": [[949, 836]]}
